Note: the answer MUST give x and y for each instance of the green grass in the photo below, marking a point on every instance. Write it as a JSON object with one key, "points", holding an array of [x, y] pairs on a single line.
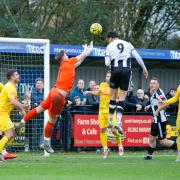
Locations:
{"points": [[89, 166]]}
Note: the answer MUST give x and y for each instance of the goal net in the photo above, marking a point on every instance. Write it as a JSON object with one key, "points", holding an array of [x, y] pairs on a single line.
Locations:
{"points": [[30, 57]]}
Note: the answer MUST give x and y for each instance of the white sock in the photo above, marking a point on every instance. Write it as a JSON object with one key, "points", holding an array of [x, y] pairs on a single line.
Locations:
{"points": [[23, 121], [4, 152], [178, 153], [47, 139], [119, 118]]}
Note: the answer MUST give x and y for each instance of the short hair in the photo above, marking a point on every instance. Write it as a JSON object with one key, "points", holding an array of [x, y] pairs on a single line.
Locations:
{"points": [[80, 80], [76, 97], [39, 79], [10, 73], [59, 55], [173, 89], [112, 35], [155, 79], [108, 72]]}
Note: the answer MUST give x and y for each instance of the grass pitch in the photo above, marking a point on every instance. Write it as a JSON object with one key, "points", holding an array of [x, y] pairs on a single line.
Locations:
{"points": [[90, 166]]}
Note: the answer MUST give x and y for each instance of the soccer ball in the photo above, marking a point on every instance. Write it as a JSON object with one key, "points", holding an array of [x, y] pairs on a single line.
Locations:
{"points": [[96, 29]]}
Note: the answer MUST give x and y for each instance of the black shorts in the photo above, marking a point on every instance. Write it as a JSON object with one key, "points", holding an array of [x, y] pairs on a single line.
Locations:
{"points": [[159, 129], [120, 78]]}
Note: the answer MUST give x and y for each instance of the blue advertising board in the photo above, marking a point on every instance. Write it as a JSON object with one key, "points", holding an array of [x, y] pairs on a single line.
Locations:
{"points": [[71, 50]]}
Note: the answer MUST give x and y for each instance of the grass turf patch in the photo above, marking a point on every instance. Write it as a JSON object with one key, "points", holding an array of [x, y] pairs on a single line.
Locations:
{"points": [[91, 166]]}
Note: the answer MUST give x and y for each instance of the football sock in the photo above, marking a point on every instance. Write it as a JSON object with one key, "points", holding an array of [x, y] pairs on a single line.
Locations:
{"points": [[112, 108], [150, 151], [174, 146], [30, 115], [4, 152], [120, 110], [3, 143], [103, 138], [48, 130], [118, 139], [178, 143]]}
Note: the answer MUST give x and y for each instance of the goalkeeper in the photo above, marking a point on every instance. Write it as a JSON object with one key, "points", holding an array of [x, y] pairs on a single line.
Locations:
{"points": [[55, 101]]}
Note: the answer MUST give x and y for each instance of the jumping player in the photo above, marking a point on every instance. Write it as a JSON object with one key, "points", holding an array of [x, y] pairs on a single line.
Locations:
{"points": [[117, 58], [103, 118], [55, 101], [162, 105], [8, 100], [158, 126]]}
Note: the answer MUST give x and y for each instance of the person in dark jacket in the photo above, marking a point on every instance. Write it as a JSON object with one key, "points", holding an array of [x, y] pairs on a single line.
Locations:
{"points": [[93, 100], [91, 86], [141, 100], [130, 100], [173, 108], [136, 103], [34, 129], [78, 91]]}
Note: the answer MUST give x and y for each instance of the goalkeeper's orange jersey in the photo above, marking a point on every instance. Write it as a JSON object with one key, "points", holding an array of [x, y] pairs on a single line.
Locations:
{"points": [[175, 99], [104, 90], [8, 91], [66, 74]]}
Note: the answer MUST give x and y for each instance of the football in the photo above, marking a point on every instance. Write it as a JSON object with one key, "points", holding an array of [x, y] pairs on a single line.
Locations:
{"points": [[96, 29]]}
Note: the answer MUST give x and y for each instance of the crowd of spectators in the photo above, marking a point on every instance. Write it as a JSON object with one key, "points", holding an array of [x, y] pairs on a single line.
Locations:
{"points": [[136, 101]]}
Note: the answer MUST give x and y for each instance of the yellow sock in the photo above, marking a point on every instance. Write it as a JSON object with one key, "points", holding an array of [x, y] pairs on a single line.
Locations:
{"points": [[118, 138], [103, 138], [3, 143], [178, 143]]}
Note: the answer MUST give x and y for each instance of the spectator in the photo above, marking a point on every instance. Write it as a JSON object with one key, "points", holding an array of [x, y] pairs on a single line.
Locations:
{"points": [[91, 86], [130, 100], [93, 100], [77, 101], [78, 91], [78, 105], [141, 100], [173, 108], [148, 94], [34, 129], [135, 103]]}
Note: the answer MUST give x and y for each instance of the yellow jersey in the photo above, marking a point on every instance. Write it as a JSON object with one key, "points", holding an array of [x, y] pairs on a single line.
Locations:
{"points": [[1, 86], [104, 91], [8, 91], [174, 99]]}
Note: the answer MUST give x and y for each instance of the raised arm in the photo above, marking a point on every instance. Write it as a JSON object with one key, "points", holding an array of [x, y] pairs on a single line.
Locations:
{"points": [[95, 93], [140, 62], [107, 58], [87, 51]]}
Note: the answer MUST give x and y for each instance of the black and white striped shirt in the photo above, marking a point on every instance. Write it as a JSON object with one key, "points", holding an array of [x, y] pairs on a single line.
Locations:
{"points": [[119, 53], [155, 98]]}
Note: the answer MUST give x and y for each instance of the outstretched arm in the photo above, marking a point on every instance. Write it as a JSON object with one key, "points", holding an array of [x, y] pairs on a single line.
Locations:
{"points": [[18, 105], [87, 51], [140, 61], [95, 93]]}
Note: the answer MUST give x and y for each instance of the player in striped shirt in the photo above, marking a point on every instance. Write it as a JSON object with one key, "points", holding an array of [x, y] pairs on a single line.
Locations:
{"points": [[158, 126], [118, 59], [163, 105]]}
